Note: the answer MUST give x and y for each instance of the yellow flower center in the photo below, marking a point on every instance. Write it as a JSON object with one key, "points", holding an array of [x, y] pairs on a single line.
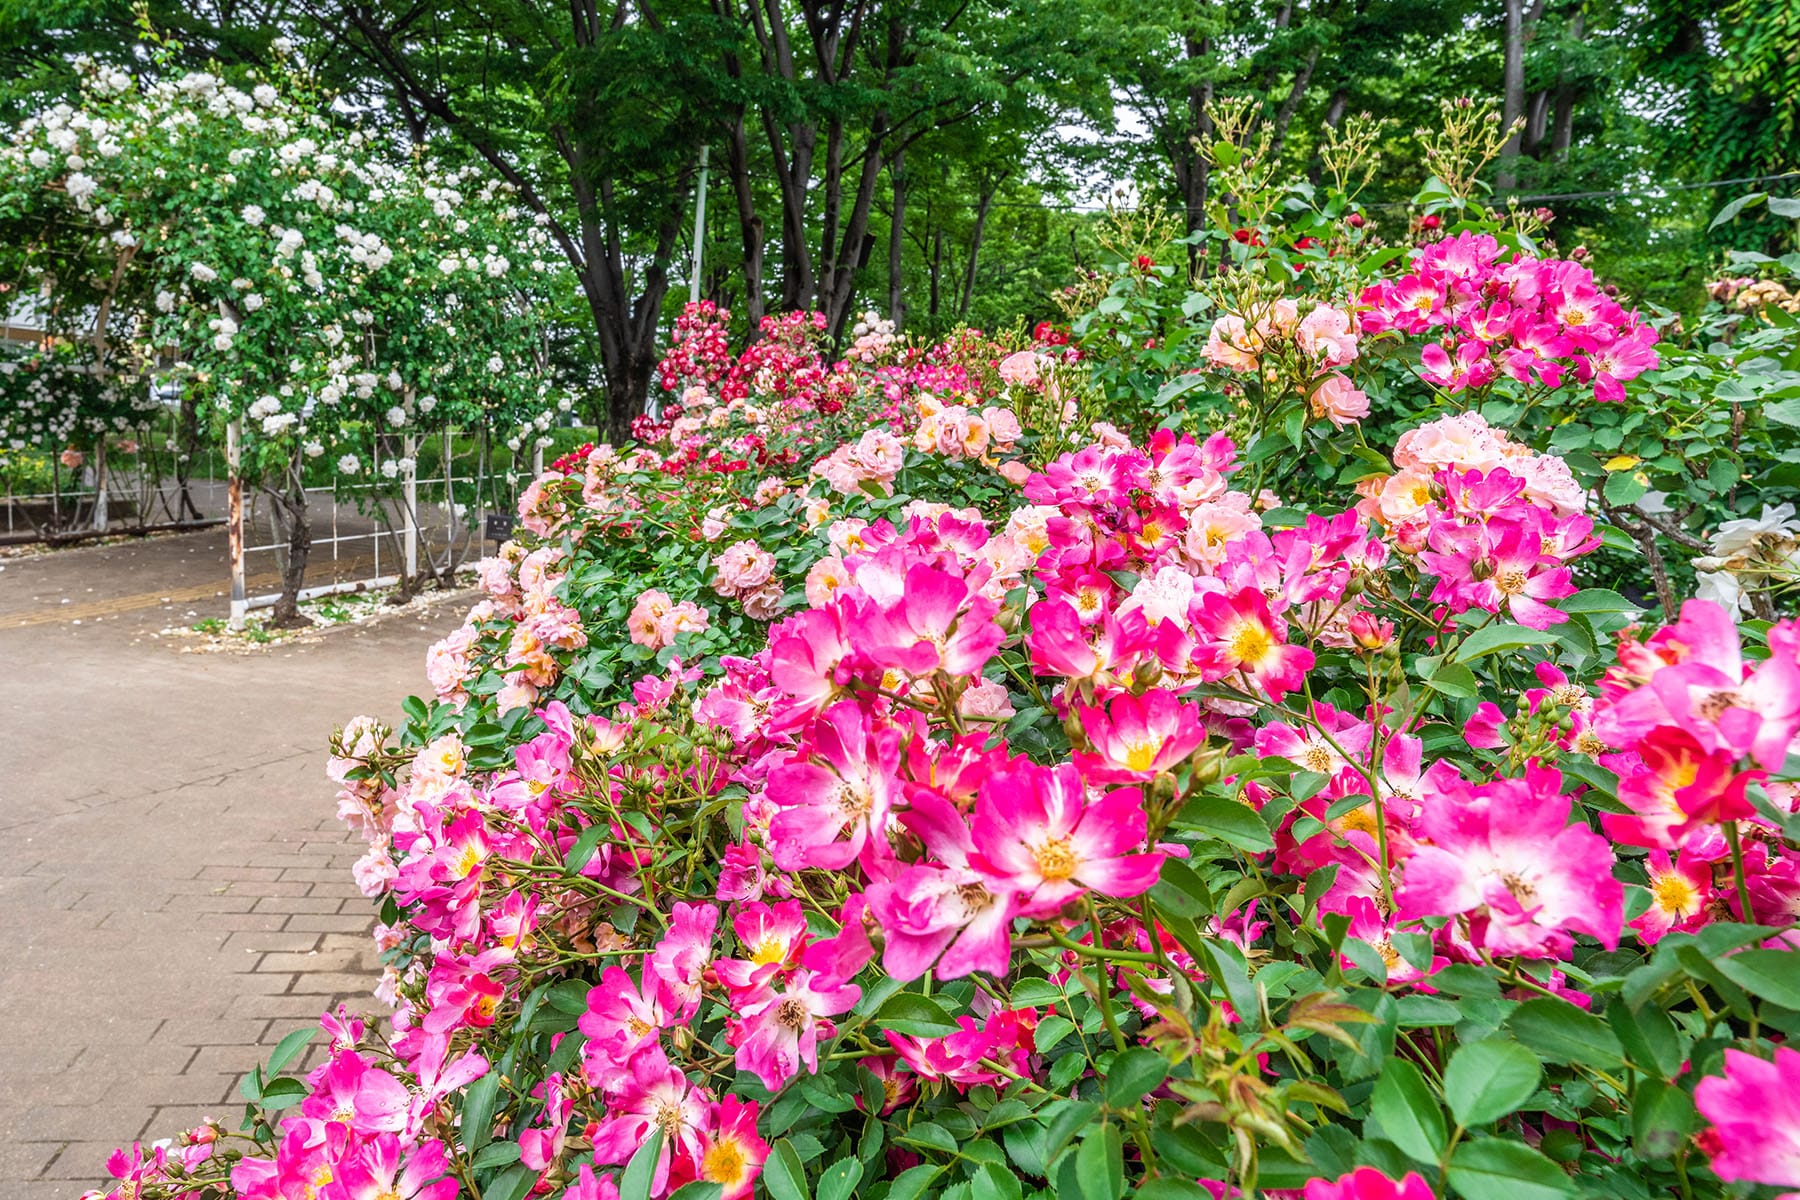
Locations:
{"points": [[1317, 758], [1139, 755], [1250, 643], [1675, 895], [1056, 860], [724, 1162]]}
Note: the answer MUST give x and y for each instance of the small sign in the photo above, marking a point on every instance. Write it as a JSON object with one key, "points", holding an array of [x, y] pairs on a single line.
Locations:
{"points": [[499, 526]]}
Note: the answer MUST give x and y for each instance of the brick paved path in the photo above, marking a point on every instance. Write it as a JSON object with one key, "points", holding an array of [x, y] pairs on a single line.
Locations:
{"points": [[174, 890]]}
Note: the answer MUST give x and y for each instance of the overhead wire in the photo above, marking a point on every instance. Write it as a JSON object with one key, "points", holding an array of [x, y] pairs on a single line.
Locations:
{"points": [[1656, 192]]}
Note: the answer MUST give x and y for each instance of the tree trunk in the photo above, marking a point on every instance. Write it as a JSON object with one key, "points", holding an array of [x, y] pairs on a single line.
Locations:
{"points": [[897, 242], [1334, 111], [750, 223], [937, 272], [1512, 88], [1284, 116], [983, 207], [287, 504], [1192, 172], [1563, 124], [187, 445]]}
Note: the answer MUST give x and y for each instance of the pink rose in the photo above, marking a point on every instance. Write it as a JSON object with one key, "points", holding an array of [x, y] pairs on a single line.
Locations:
{"points": [[1337, 400], [742, 568], [1023, 369]]}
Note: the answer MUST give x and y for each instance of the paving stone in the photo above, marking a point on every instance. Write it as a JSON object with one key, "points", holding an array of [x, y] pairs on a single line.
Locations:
{"points": [[255, 941], [184, 1032], [27, 1160], [295, 904], [334, 983], [335, 923], [284, 1008], [239, 921], [311, 962], [136, 872]]}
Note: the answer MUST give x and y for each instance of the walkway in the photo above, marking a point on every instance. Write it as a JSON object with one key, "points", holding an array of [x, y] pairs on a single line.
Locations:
{"points": [[175, 892]]}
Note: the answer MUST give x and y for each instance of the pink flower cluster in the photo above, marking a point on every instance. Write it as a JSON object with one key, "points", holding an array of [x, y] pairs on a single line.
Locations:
{"points": [[1495, 522], [1530, 319], [359, 1134], [1313, 348], [1694, 724], [1755, 1113], [656, 620], [524, 591], [745, 572]]}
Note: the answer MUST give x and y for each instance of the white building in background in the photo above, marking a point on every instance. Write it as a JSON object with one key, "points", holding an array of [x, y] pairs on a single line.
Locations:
{"points": [[21, 322]]}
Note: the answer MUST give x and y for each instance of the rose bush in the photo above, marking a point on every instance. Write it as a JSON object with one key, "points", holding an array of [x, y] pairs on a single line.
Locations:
{"points": [[894, 778]]}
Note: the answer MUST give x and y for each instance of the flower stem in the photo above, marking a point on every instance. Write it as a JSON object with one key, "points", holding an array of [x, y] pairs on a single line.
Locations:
{"points": [[1737, 872]]}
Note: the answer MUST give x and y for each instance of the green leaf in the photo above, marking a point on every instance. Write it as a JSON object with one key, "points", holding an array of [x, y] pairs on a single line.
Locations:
{"points": [[1772, 975], [284, 1092], [1562, 1033], [927, 1133], [1230, 822], [1624, 488], [1648, 1036], [1735, 207], [1100, 1164], [640, 1172], [497, 1154], [570, 996], [1662, 1116], [584, 847], [288, 1047], [1492, 1169], [1169, 1187], [1133, 1075], [1783, 412], [839, 1180], [1488, 1079], [512, 1185], [1596, 600], [1789, 208], [700, 1189], [915, 1016], [1491, 639], [1408, 1112], [912, 1182], [994, 1182], [1051, 1030], [1454, 680]]}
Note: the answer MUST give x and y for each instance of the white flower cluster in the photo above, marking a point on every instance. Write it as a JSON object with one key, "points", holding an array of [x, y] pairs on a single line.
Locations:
{"points": [[319, 278]]}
